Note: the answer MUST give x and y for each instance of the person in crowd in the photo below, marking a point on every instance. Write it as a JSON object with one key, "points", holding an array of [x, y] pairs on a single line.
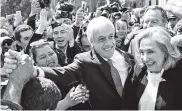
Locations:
{"points": [[36, 35], [158, 86], [126, 15], [46, 95], [84, 42], [178, 28], [172, 22], [65, 45], [121, 33], [153, 16], [6, 44], [115, 16], [103, 65], [43, 55], [23, 34]]}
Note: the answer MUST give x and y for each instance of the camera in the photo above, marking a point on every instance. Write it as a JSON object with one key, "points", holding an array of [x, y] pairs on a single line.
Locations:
{"points": [[62, 14], [44, 3], [111, 8]]}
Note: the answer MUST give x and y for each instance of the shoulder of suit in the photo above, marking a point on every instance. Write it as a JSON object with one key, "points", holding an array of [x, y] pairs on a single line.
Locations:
{"points": [[82, 56], [130, 56]]}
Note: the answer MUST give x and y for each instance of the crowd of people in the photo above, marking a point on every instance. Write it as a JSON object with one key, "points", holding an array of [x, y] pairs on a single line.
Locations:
{"points": [[116, 58]]}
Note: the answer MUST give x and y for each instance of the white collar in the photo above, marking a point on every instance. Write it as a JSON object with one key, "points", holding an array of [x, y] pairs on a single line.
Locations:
{"points": [[155, 76], [113, 56]]}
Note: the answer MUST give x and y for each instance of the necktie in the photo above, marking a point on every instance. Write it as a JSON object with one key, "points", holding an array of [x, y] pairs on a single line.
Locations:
{"points": [[116, 77]]}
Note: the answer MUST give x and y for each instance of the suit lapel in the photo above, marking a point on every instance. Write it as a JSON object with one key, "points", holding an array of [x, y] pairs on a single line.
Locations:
{"points": [[104, 66], [141, 87]]}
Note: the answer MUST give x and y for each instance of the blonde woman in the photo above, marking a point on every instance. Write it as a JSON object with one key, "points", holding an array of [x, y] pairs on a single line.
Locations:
{"points": [[159, 86]]}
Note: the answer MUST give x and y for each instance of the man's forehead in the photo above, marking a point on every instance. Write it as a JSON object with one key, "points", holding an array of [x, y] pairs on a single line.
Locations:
{"points": [[59, 28], [26, 32], [104, 32], [153, 13]]}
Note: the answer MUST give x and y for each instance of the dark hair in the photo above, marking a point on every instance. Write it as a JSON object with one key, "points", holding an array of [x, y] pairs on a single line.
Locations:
{"points": [[113, 15], [35, 45], [123, 20], [19, 29], [40, 94], [81, 35]]}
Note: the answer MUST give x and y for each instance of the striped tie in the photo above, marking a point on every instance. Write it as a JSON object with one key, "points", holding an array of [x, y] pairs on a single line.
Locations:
{"points": [[116, 77]]}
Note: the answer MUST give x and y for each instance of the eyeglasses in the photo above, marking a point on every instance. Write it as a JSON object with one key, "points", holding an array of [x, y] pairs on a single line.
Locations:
{"points": [[8, 42]]}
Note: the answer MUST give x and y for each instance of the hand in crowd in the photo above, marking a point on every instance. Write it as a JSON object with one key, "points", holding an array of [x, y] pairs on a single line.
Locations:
{"points": [[19, 66], [18, 18], [80, 94], [35, 7], [175, 7], [44, 22], [79, 17], [75, 96], [70, 36]]}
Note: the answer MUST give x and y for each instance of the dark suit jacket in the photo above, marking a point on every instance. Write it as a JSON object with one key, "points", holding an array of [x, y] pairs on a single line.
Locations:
{"points": [[70, 54], [93, 71], [169, 94]]}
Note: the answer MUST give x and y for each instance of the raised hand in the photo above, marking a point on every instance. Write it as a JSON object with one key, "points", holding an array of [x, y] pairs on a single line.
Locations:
{"points": [[44, 22], [18, 18], [70, 36], [35, 7], [79, 17]]}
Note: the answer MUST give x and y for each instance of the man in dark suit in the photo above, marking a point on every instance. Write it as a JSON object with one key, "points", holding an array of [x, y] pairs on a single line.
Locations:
{"points": [[105, 70]]}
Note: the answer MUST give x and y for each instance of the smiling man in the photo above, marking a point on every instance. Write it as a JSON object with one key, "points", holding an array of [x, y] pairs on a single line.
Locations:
{"points": [[106, 72], [65, 46]]}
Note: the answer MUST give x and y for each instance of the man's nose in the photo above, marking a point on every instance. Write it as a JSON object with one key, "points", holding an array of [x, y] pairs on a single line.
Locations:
{"points": [[149, 25], [60, 35], [145, 57], [49, 58]]}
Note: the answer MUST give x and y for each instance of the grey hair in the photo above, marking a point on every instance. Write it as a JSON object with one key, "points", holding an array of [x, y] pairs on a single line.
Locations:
{"points": [[96, 24], [162, 39], [155, 7]]}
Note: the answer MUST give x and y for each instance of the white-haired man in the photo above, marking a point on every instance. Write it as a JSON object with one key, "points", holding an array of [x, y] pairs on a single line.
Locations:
{"points": [[106, 72]]}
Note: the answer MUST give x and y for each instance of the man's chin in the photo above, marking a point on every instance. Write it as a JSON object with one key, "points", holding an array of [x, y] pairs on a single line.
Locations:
{"points": [[108, 55]]}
